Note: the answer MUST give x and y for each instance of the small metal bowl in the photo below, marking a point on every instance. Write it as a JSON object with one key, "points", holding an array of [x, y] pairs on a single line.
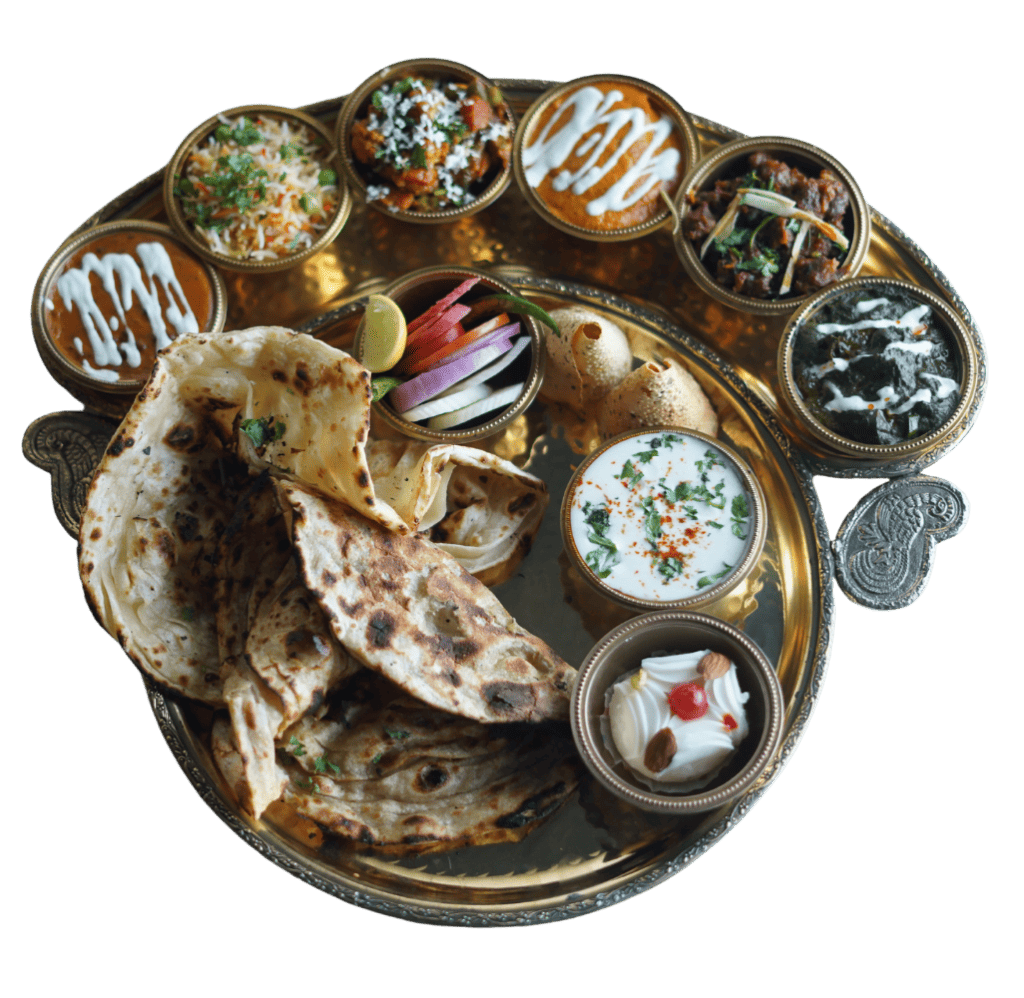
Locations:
{"points": [[830, 442], [673, 632], [730, 160], [356, 105], [697, 598], [114, 397], [414, 294], [176, 168], [553, 99]]}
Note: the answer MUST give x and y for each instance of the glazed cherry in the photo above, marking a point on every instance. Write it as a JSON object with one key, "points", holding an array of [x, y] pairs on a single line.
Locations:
{"points": [[688, 701]]}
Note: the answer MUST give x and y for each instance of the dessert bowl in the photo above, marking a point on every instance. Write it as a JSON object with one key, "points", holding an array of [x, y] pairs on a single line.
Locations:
{"points": [[417, 292], [877, 369], [568, 167], [756, 257], [371, 114], [663, 519], [620, 653], [256, 189]]}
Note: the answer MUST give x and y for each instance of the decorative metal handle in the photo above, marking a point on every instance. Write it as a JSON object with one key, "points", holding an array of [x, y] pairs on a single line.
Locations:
{"points": [[883, 551], [68, 445]]}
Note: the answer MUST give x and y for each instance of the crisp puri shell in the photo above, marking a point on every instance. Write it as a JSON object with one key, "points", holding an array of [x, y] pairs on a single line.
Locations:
{"points": [[588, 358], [411, 612], [658, 394]]}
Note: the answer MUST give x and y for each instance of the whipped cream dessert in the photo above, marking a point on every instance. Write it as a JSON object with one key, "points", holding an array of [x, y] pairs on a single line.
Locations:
{"points": [[678, 718]]}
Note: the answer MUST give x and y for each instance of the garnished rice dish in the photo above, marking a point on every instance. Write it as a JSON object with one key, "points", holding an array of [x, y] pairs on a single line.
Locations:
{"points": [[431, 145], [258, 188]]}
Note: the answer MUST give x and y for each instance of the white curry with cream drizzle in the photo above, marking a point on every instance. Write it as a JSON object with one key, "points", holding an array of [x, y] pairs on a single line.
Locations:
{"points": [[660, 516]]}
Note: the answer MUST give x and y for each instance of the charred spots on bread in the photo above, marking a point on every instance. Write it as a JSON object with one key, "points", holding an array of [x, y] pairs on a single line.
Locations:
{"points": [[181, 437], [514, 699], [534, 808], [380, 629], [186, 525], [521, 503], [120, 443]]}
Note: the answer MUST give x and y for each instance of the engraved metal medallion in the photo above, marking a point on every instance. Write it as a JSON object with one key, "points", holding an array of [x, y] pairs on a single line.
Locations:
{"points": [[68, 445], [884, 549]]}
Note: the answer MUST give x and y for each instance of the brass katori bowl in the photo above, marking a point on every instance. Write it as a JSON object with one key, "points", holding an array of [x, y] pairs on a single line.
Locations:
{"points": [[105, 388], [552, 100], [176, 168], [357, 104], [731, 160], [829, 442], [673, 632], [684, 596], [414, 294]]}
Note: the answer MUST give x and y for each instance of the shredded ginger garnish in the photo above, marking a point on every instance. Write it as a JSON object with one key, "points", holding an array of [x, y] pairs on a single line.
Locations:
{"points": [[261, 198]]}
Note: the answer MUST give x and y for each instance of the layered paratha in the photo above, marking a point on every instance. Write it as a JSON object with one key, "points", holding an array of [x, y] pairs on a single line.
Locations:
{"points": [[412, 613], [406, 777], [220, 407]]}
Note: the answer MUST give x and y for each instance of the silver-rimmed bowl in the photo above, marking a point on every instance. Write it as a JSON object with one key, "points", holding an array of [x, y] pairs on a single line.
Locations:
{"points": [[356, 106], [730, 161], [673, 632], [328, 160]]}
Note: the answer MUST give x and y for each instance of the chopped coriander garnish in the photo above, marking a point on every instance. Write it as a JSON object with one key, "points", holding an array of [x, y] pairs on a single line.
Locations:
{"points": [[262, 430], [603, 558], [322, 764], [740, 512], [296, 746]]}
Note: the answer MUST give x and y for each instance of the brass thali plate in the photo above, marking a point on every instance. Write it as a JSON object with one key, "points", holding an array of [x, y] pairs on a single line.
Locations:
{"points": [[594, 851]]}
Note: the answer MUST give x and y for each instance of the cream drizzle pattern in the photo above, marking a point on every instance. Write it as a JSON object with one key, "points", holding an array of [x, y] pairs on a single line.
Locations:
{"points": [[590, 109], [115, 269]]}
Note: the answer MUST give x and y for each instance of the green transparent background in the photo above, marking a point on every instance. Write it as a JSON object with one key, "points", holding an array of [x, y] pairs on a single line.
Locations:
{"points": [[881, 863]]}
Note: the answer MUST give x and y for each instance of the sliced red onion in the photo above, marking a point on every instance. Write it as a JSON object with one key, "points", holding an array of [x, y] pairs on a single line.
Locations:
{"points": [[446, 403], [501, 333], [500, 399], [489, 372], [430, 383]]}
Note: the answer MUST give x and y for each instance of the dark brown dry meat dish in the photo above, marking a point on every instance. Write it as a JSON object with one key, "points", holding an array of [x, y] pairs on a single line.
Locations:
{"points": [[753, 258]]}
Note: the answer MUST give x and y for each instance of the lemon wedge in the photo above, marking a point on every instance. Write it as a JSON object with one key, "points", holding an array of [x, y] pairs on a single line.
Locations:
{"points": [[383, 341]]}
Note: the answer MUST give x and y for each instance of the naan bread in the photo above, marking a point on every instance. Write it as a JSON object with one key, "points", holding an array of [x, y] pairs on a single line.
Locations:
{"points": [[169, 481], [278, 657], [157, 507], [409, 611], [407, 777]]}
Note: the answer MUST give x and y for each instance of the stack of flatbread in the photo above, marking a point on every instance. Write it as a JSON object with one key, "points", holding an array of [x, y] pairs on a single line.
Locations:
{"points": [[249, 546]]}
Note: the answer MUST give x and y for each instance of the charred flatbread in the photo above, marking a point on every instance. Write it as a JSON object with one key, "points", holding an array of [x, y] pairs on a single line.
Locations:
{"points": [[412, 613], [405, 777]]}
